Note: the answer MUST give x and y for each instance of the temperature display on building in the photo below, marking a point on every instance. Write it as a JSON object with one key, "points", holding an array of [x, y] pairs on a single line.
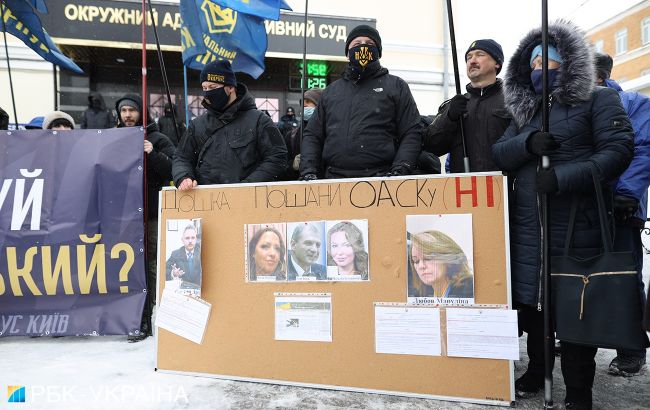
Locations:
{"points": [[317, 72]]}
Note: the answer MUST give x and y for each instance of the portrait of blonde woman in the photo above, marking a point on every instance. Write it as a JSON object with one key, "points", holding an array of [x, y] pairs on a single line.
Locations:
{"points": [[347, 256], [438, 267]]}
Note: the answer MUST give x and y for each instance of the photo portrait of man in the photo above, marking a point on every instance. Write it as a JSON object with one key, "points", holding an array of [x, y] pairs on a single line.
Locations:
{"points": [[306, 252], [185, 262]]}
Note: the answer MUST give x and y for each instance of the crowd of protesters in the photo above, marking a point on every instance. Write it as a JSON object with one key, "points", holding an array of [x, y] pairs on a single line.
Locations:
{"points": [[367, 124]]}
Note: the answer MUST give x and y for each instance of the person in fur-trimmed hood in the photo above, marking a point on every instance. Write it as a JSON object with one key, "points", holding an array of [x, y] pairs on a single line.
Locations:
{"points": [[588, 127]]}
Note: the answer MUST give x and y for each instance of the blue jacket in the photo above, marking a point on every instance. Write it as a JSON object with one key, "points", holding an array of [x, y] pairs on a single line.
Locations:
{"points": [[593, 130], [635, 180]]}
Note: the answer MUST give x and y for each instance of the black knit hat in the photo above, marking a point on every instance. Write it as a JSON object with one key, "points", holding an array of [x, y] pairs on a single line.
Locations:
{"points": [[489, 46], [363, 31], [219, 71], [604, 65]]}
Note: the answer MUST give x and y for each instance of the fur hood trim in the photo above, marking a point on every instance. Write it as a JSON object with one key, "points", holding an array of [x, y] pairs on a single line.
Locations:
{"points": [[576, 74]]}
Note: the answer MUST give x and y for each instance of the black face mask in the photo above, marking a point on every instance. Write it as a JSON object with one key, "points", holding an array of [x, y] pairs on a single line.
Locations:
{"points": [[217, 98], [362, 55]]}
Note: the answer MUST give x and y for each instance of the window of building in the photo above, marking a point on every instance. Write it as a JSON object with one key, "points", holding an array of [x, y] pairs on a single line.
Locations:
{"points": [[599, 46], [621, 41], [645, 31]]}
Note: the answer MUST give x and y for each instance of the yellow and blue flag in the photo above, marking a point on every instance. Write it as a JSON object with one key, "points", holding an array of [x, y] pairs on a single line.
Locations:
{"points": [[266, 9], [211, 32], [22, 22]]}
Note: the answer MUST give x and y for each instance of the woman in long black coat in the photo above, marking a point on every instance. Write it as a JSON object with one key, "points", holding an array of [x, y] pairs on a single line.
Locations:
{"points": [[588, 129]]}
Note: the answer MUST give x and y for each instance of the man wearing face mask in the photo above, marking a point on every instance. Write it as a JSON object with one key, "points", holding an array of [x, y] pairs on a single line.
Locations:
{"points": [[233, 141], [166, 124], [481, 110], [294, 137], [366, 124]]}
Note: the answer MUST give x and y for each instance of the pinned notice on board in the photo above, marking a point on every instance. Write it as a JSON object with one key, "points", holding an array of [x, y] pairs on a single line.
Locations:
{"points": [[482, 333], [303, 317], [183, 315], [407, 329]]}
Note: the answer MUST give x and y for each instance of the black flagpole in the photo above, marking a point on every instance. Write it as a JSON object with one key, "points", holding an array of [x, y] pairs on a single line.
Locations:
{"points": [[549, 336], [304, 73], [4, 8], [454, 54], [164, 72]]}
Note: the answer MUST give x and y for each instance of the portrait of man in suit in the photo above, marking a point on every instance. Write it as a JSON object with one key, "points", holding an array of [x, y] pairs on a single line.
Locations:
{"points": [[185, 262], [305, 253]]}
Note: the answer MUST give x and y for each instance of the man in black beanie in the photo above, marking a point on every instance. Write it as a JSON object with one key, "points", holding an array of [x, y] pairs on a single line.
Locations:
{"points": [[233, 141], [366, 124], [159, 151], [481, 110]]}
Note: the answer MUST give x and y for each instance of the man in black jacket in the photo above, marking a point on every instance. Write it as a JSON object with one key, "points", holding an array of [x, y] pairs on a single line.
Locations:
{"points": [[96, 115], [481, 110], [159, 151], [367, 123], [233, 141]]}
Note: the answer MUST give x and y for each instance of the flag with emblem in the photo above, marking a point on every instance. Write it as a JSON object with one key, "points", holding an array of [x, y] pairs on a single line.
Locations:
{"points": [[211, 32], [266, 9], [22, 22]]}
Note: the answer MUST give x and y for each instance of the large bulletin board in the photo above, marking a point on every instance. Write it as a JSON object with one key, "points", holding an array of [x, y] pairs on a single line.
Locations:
{"points": [[240, 343]]}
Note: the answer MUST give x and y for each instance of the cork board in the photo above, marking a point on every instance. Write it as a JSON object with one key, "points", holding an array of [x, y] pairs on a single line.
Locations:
{"points": [[239, 341]]}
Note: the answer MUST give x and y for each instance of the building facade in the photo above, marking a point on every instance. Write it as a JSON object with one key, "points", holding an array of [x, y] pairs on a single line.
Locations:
{"points": [[626, 37], [104, 38]]}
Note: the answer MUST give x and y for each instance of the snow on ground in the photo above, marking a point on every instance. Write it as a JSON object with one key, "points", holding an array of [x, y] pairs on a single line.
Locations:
{"points": [[109, 373]]}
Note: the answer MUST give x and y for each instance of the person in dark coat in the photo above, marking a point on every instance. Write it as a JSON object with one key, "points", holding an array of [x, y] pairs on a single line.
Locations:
{"points": [[588, 128], [166, 124], [233, 141], [4, 119], [288, 122], [630, 199], [293, 138], [481, 111], [367, 123], [96, 115], [159, 151], [185, 262]]}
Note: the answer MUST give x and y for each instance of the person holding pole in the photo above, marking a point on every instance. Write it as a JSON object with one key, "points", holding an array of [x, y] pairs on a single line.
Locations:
{"points": [[481, 109], [367, 123], [588, 127]]}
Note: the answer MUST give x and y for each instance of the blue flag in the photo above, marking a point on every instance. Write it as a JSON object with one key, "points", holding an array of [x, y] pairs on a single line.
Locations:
{"points": [[266, 9], [210, 32], [23, 23]]}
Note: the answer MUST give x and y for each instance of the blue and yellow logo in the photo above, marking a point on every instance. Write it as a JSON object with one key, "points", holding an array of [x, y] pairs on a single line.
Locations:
{"points": [[220, 20], [16, 394]]}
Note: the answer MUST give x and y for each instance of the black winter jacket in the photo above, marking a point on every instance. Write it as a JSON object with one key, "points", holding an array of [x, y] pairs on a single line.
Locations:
{"points": [[166, 125], [486, 120], [159, 161], [242, 144], [362, 127], [97, 117], [590, 124]]}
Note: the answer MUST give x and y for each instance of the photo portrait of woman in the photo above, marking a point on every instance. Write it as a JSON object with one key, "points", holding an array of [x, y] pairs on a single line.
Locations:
{"points": [[438, 267], [346, 251], [266, 253]]}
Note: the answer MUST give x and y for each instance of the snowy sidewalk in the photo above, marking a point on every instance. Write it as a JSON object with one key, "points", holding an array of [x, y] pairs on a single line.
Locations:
{"points": [[72, 373], [109, 373]]}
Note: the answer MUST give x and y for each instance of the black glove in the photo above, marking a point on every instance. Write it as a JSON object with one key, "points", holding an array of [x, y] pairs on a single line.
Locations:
{"points": [[398, 170], [457, 107], [308, 177], [546, 181], [625, 207], [541, 143]]}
